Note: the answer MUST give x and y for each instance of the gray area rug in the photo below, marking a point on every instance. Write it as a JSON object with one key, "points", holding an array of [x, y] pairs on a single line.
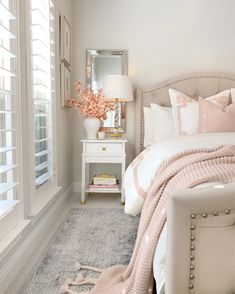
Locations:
{"points": [[98, 237]]}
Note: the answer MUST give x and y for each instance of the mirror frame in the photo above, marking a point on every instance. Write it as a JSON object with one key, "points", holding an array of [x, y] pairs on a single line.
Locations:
{"points": [[90, 53]]}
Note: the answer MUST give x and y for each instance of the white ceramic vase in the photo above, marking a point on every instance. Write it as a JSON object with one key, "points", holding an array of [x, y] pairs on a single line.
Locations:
{"points": [[91, 125]]}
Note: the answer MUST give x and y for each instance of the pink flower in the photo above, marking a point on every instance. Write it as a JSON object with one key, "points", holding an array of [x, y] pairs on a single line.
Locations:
{"points": [[69, 102], [90, 104]]}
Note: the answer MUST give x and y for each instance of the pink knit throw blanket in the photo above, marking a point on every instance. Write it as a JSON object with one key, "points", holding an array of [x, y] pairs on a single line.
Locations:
{"points": [[184, 170]]}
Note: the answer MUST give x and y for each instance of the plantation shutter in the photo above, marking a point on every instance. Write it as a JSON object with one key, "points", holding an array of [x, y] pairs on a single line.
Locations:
{"points": [[9, 99], [43, 86]]}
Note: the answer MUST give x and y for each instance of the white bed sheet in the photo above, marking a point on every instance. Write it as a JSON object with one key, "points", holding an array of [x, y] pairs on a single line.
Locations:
{"points": [[155, 155]]}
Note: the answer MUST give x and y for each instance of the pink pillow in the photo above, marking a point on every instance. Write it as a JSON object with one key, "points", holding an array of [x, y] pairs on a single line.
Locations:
{"points": [[213, 119], [185, 110]]}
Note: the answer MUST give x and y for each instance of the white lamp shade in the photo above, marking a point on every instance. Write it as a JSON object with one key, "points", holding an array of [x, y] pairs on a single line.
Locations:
{"points": [[118, 87]]}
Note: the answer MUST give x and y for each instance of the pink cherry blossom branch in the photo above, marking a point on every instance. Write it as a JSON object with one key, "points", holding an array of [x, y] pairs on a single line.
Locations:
{"points": [[90, 104]]}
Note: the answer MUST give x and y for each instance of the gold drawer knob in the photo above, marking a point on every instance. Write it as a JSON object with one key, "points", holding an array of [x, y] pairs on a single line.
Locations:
{"points": [[103, 148]]}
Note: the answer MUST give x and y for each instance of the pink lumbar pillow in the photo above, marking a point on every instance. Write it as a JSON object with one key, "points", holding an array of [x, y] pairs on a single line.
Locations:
{"points": [[213, 119]]}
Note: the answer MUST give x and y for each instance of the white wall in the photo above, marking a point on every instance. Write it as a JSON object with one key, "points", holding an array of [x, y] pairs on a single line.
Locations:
{"points": [[64, 117], [163, 38]]}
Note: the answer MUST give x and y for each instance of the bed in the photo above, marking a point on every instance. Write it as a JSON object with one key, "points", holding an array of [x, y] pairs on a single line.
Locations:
{"points": [[206, 211]]}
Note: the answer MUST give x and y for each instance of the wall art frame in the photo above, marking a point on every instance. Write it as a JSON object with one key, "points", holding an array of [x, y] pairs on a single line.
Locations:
{"points": [[65, 83], [65, 40]]}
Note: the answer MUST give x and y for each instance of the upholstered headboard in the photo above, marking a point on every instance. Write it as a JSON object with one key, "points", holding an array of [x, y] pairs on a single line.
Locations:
{"points": [[194, 85]]}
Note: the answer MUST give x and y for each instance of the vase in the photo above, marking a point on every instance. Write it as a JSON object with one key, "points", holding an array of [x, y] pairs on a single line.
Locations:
{"points": [[91, 125]]}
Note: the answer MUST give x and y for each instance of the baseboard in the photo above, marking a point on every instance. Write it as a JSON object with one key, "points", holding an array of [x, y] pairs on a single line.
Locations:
{"points": [[26, 251]]}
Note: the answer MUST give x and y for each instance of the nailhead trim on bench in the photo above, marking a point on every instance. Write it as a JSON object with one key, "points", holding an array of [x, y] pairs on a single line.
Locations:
{"points": [[195, 216]]}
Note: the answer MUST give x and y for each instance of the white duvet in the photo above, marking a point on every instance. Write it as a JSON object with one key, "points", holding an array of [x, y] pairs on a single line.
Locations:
{"points": [[140, 174]]}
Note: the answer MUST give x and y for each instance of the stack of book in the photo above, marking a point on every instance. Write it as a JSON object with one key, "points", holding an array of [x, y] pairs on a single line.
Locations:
{"points": [[104, 182]]}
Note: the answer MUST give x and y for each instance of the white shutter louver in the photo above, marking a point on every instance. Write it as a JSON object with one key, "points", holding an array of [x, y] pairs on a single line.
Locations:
{"points": [[43, 86], [8, 101]]}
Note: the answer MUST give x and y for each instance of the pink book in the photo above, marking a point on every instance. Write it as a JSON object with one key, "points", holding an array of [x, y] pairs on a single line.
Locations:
{"points": [[104, 186]]}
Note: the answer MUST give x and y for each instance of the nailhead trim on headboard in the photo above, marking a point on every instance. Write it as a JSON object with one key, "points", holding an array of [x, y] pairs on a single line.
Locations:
{"points": [[167, 84]]}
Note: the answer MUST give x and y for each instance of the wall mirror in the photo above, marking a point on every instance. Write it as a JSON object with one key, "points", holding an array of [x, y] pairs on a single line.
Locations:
{"points": [[100, 63]]}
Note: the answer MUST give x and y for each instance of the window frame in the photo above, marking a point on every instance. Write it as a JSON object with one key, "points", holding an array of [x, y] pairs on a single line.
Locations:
{"points": [[31, 202], [38, 198], [16, 206]]}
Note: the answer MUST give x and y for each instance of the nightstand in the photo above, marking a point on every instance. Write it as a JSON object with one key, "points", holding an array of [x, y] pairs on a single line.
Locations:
{"points": [[102, 151]]}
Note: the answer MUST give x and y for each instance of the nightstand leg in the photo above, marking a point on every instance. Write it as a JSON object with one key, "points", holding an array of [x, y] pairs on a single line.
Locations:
{"points": [[83, 195], [88, 180]]}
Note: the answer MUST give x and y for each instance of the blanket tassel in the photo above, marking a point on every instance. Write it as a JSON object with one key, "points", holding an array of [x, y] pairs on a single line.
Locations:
{"points": [[80, 280], [88, 267]]}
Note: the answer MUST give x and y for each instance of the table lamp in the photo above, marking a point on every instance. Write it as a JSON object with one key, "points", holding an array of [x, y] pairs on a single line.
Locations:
{"points": [[118, 88]]}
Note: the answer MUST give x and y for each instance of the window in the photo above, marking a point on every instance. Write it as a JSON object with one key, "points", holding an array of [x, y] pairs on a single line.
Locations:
{"points": [[42, 92], [11, 206], [30, 133], [9, 99]]}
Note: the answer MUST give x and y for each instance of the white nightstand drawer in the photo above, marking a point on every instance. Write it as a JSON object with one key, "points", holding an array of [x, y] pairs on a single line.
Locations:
{"points": [[104, 148]]}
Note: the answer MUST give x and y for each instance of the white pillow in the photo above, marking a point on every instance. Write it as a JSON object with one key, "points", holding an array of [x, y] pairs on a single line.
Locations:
{"points": [[233, 94], [186, 110], [147, 126], [158, 124], [162, 122]]}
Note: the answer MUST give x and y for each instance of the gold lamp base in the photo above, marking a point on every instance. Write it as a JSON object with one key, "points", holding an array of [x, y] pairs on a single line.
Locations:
{"points": [[116, 135]]}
